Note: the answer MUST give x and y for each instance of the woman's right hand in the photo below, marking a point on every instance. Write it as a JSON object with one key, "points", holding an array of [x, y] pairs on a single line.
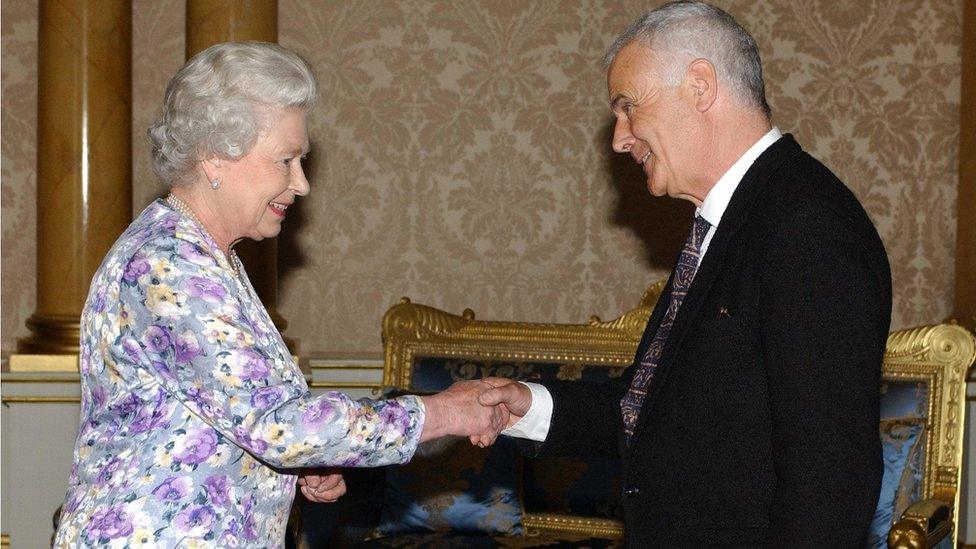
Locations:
{"points": [[456, 411]]}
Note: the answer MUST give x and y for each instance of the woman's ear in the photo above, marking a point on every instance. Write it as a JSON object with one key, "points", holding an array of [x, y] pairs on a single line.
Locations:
{"points": [[212, 169]]}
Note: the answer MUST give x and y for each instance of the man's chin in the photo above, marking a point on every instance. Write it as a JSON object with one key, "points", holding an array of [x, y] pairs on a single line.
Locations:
{"points": [[656, 190]]}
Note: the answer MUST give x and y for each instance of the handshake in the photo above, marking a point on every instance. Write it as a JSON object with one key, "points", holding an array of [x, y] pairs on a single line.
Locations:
{"points": [[478, 409]]}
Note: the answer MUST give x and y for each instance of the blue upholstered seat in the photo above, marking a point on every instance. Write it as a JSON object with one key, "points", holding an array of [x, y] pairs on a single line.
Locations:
{"points": [[588, 487]]}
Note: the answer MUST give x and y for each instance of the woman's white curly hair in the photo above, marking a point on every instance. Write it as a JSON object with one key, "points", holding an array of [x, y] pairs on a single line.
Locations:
{"points": [[216, 104]]}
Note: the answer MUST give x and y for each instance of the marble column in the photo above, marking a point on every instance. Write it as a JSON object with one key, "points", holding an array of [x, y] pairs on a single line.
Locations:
{"points": [[209, 22], [965, 299], [84, 156]]}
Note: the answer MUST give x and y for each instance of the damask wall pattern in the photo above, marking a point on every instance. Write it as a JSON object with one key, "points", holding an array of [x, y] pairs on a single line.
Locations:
{"points": [[461, 153], [18, 167]]}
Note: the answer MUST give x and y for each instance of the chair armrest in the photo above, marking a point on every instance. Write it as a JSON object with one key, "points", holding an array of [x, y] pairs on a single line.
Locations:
{"points": [[922, 525]]}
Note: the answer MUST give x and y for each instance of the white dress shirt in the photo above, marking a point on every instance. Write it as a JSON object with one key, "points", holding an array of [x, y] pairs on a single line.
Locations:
{"points": [[535, 424]]}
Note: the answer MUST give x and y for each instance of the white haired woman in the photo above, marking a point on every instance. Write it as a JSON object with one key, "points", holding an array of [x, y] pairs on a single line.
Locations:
{"points": [[195, 420]]}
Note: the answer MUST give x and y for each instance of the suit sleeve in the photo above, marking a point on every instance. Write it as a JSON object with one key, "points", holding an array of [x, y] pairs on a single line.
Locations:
{"points": [[825, 319], [585, 419]]}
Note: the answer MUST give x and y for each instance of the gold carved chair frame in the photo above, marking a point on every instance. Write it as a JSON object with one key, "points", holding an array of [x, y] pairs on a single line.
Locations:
{"points": [[940, 357]]}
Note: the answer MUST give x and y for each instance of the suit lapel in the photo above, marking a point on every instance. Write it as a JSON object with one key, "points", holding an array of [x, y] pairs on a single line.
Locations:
{"points": [[736, 214]]}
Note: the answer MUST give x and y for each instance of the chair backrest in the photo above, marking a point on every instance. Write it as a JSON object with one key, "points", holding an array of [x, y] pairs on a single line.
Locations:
{"points": [[427, 349], [922, 404]]}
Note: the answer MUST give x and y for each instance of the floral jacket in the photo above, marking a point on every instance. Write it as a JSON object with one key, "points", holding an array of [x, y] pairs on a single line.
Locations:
{"points": [[193, 413]]}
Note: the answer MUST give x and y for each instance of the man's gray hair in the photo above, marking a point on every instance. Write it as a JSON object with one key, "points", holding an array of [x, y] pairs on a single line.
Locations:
{"points": [[685, 31], [216, 104]]}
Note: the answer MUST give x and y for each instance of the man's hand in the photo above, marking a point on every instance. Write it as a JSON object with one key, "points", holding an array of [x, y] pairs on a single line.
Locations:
{"points": [[322, 488], [515, 396], [512, 395], [456, 411]]}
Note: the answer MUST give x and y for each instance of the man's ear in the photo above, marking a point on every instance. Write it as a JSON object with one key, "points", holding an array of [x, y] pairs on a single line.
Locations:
{"points": [[703, 84]]}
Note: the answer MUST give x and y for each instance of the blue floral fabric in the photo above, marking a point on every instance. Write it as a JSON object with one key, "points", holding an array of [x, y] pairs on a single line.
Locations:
{"points": [[904, 407], [901, 444], [453, 486], [192, 409]]}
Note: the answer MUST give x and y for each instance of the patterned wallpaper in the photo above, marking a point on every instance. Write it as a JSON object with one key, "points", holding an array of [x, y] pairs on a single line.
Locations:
{"points": [[18, 153], [461, 152]]}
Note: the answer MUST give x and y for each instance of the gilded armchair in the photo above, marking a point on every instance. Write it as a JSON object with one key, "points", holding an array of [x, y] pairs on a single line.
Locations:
{"points": [[427, 349]]}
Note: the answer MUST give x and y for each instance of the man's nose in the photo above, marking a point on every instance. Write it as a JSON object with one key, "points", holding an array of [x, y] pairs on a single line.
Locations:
{"points": [[623, 140]]}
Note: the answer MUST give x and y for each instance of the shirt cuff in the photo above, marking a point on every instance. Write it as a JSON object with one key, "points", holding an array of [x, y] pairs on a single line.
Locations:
{"points": [[534, 425]]}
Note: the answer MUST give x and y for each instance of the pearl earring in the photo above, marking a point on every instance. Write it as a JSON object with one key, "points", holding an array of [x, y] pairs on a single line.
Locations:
{"points": [[215, 183]]}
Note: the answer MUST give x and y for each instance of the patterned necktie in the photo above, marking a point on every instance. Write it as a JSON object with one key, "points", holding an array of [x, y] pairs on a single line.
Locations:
{"points": [[684, 273]]}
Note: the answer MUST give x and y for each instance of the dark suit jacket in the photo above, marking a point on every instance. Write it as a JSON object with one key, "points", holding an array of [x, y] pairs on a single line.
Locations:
{"points": [[760, 426]]}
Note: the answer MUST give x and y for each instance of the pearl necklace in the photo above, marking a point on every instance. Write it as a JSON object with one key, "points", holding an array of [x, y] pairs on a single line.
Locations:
{"points": [[233, 261]]}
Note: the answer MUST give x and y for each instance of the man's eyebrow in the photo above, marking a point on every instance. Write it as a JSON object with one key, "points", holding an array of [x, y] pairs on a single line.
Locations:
{"points": [[617, 100]]}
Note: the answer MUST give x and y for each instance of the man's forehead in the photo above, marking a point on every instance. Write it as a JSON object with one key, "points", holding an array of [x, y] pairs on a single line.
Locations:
{"points": [[632, 63], [636, 48]]}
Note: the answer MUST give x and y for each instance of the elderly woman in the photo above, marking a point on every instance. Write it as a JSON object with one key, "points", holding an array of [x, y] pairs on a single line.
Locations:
{"points": [[194, 418]]}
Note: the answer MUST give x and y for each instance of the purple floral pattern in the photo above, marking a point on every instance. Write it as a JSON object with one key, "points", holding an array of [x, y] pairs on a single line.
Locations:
{"points": [[193, 410]]}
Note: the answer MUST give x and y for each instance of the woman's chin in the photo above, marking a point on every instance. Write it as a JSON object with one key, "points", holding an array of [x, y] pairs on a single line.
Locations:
{"points": [[269, 228], [270, 233]]}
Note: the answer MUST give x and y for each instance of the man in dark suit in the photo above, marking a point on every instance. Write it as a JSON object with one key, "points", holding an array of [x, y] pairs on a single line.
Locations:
{"points": [[750, 414]]}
